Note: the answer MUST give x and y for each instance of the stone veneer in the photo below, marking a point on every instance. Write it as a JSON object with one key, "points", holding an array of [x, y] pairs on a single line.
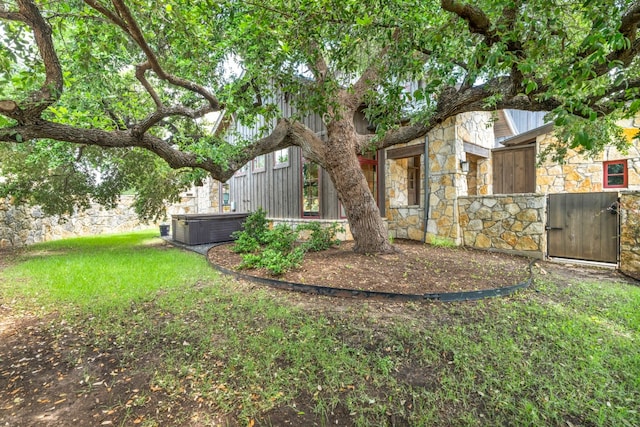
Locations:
{"points": [[404, 221], [513, 223], [293, 222], [580, 174], [25, 225], [630, 234], [447, 182]]}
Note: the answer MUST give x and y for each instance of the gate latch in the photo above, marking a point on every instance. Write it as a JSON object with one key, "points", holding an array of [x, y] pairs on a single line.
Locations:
{"points": [[613, 209], [552, 228]]}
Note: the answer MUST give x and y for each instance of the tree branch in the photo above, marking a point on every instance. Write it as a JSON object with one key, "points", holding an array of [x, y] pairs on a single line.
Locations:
{"points": [[141, 69], [279, 138], [39, 100], [630, 20], [371, 75], [478, 22], [164, 112], [129, 25]]}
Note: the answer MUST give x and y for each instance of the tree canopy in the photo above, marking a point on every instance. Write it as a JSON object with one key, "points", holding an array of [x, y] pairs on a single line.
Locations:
{"points": [[100, 97]]}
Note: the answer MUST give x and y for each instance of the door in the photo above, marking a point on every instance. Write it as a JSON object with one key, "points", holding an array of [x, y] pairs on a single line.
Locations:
{"points": [[584, 226]]}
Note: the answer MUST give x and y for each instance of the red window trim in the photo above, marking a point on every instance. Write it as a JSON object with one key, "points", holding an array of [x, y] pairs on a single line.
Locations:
{"points": [[625, 174]]}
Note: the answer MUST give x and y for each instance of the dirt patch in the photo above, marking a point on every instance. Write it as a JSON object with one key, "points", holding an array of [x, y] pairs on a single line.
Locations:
{"points": [[416, 269]]}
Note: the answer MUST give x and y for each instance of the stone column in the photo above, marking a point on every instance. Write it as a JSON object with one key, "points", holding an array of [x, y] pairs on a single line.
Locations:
{"points": [[630, 234], [446, 181]]}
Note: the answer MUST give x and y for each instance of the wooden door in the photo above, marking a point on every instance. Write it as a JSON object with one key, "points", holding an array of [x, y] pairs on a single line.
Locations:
{"points": [[584, 226]]}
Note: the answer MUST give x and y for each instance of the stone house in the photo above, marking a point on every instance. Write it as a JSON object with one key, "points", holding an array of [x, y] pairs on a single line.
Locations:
{"points": [[474, 180], [477, 180]]}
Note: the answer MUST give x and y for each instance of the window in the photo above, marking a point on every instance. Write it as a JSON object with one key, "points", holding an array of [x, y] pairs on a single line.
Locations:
{"points": [[413, 180], [281, 158], [257, 164], [242, 171], [310, 189], [615, 174]]}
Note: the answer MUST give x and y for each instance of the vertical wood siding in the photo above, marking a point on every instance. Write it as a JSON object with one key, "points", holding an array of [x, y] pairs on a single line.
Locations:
{"points": [[514, 170]]}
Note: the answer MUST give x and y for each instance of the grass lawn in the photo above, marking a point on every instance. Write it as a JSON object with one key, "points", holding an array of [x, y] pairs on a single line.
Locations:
{"points": [[186, 346]]}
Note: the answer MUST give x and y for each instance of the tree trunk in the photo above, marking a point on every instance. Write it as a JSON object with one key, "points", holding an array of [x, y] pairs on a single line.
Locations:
{"points": [[341, 163]]}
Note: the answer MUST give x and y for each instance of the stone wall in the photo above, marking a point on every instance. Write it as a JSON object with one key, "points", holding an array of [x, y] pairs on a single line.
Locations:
{"points": [[292, 222], [25, 225], [404, 221], [630, 234], [580, 174], [198, 200], [447, 181], [511, 223]]}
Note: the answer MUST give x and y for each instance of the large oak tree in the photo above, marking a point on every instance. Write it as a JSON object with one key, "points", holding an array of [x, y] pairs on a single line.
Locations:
{"points": [[93, 94]]}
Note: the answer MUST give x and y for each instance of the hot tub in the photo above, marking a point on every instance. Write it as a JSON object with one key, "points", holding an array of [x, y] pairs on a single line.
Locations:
{"points": [[199, 229]]}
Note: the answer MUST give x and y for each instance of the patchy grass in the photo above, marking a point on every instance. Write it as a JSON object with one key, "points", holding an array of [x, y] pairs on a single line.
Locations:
{"points": [[218, 351]]}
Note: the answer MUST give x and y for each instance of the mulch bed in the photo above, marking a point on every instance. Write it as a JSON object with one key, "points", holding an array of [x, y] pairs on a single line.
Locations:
{"points": [[416, 269]]}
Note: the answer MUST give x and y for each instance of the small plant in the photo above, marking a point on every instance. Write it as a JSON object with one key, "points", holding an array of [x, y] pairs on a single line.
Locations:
{"points": [[275, 249], [321, 238], [442, 242], [256, 226]]}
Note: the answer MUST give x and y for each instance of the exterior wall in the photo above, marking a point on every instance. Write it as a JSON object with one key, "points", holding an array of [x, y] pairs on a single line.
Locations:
{"points": [[512, 223], [292, 222], [580, 174], [484, 177], [25, 225], [447, 181], [199, 200], [630, 234], [404, 221]]}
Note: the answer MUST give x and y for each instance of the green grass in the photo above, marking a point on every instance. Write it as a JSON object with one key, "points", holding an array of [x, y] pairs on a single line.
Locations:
{"points": [[551, 356], [102, 273]]}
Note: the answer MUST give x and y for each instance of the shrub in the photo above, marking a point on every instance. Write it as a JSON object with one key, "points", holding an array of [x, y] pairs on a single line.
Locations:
{"points": [[281, 238], [280, 262], [275, 249], [245, 244], [255, 226], [321, 238]]}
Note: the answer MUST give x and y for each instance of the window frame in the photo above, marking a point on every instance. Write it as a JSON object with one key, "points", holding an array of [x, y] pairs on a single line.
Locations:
{"points": [[242, 171], [278, 164], [606, 174], [259, 168], [302, 188]]}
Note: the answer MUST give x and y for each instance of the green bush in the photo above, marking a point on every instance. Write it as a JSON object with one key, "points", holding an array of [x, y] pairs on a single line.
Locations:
{"points": [[278, 262], [245, 244], [281, 238], [255, 226], [277, 250], [321, 238]]}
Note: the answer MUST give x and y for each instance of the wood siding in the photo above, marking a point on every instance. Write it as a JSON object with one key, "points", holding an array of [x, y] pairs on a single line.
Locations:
{"points": [[278, 189], [514, 170]]}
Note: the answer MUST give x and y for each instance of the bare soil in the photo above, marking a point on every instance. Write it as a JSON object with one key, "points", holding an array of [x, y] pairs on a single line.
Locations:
{"points": [[415, 269]]}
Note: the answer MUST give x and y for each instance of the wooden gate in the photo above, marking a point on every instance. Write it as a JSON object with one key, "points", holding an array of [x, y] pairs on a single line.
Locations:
{"points": [[584, 226]]}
